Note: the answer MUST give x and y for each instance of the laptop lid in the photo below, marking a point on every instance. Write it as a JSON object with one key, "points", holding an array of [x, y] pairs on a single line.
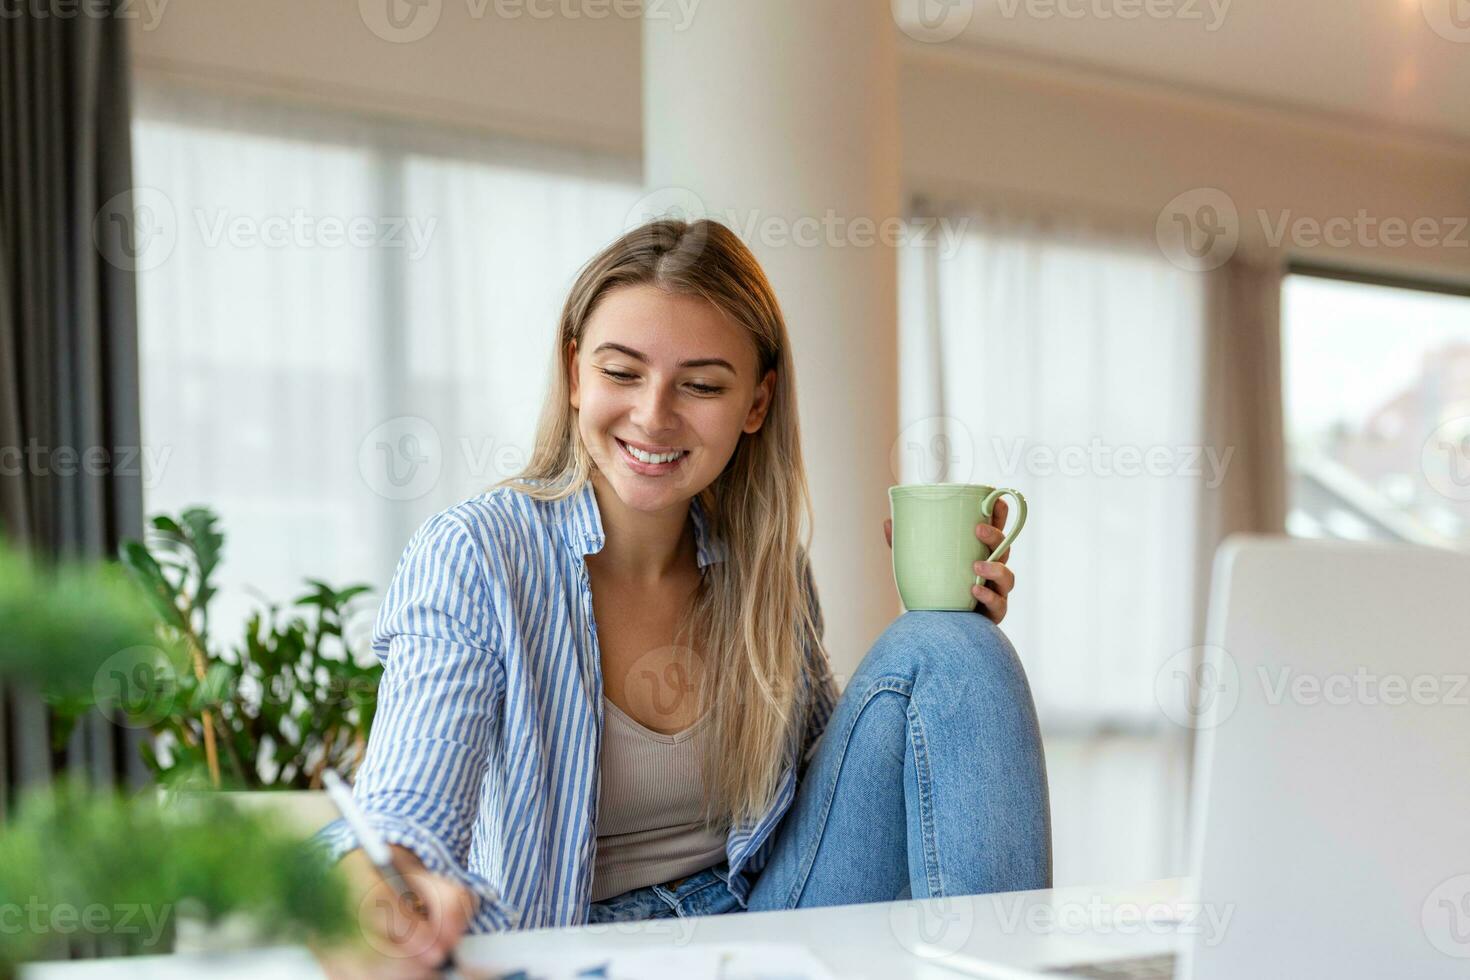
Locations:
{"points": [[1332, 792]]}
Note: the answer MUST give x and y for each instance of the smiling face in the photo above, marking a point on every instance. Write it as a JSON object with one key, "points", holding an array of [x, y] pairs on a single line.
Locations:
{"points": [[668, 374]]}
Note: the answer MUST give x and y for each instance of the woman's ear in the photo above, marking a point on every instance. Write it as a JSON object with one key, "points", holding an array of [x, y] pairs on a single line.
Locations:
{"points": [[762, 403], [572, 374]]}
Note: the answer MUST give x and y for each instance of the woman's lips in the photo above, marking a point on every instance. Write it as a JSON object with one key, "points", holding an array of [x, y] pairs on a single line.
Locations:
{"points": [[648, 469]]}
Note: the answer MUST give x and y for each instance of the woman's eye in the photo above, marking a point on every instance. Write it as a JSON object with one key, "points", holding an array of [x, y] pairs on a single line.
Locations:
{"points": [[622, 377]]}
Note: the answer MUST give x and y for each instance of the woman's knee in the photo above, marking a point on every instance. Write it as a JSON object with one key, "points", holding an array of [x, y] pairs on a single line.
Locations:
{"points": [[966, 648]]}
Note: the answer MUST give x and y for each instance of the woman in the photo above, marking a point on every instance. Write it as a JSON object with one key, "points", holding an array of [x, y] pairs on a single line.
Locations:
{"points": [[605, 693]]}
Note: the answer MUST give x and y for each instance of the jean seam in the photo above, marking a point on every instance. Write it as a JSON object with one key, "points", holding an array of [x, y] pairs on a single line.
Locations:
{"points": [[895, 685], [933, 873], [666, 896]]}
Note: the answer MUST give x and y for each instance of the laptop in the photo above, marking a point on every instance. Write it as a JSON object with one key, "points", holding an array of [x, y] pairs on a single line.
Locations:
{"points": [[1331, 799]]}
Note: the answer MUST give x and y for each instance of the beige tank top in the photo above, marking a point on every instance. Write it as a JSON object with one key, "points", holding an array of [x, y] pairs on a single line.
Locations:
{"points": [[649, 829]]}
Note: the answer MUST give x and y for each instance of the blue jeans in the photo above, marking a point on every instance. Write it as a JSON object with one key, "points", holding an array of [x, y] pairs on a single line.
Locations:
{"points": [[929, 781]]}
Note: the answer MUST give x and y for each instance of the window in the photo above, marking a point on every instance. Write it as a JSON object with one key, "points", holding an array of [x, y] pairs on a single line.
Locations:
{"points": [[1377, 406], [346, 325], [1069, 366]]}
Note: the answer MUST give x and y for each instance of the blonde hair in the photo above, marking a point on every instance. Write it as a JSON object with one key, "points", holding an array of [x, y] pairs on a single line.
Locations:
{"points": [[749, 611]]}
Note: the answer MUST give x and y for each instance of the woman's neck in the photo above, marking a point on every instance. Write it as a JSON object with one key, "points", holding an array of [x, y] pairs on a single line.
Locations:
{"points": [[641, 547]]}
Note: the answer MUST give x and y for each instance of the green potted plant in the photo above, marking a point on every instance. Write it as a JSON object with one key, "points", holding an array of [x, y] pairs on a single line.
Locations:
{"points": [[261, 717], [85, 870]]}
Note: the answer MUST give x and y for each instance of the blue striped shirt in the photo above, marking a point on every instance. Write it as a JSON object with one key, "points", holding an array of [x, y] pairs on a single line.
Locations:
{"points": [[484, 751]]}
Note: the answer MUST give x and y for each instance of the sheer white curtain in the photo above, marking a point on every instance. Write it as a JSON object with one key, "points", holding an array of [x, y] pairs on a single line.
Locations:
{"points": [[1067, 364], [346, 325]]}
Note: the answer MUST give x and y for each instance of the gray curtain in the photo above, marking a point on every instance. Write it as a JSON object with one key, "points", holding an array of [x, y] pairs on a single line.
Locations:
{"points": [[1243, 405], [70, 480], [1243, 396]]}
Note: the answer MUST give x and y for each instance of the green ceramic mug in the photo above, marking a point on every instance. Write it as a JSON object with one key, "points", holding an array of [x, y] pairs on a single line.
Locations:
{"points": [[934, 543]]}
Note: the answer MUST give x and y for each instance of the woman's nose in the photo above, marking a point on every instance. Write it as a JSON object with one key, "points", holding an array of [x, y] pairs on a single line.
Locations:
{"points": [[655, 411]]}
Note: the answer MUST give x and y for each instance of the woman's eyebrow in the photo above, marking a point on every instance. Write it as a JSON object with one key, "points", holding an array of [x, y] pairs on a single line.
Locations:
{"points": [[639, 355]]}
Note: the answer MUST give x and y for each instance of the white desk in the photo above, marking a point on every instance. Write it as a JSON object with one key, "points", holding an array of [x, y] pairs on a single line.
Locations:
{"points": [[875, 941]]}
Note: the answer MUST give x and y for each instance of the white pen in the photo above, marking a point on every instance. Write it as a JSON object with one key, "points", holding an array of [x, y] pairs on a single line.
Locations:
{"points": [[378, 853]]}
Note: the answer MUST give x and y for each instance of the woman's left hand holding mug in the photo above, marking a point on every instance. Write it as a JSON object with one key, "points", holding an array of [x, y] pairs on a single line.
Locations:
{"points": [[999, 579]]}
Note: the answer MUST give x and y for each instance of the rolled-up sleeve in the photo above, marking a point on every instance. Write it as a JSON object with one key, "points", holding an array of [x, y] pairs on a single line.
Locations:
{"points": [[439, 704]]}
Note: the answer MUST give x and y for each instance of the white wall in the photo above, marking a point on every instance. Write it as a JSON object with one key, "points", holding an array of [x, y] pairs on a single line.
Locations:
{"points": [[575, 81], [997, 124], [1025, 131]]}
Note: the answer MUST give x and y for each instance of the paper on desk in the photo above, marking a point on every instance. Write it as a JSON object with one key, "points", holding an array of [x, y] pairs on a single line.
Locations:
{"points": [[705, 961]]}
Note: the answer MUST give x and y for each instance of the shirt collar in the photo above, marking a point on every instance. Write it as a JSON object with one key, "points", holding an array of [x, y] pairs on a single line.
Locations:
{"points": [[581, 523]]}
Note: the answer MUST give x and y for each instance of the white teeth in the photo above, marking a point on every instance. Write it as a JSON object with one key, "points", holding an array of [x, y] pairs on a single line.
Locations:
{"points": [[643, 457]]}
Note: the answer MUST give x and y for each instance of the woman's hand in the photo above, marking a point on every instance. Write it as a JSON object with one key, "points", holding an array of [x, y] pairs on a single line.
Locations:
{"points": [[999, 579], [401, 943]]}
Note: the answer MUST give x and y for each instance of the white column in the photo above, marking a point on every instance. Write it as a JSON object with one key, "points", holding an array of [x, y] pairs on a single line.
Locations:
{"points": [[781, 117]]}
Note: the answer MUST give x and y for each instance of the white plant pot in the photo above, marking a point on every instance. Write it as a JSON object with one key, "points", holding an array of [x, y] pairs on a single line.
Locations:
{"points": [[301, 811], [236, 933], [304, 811]]}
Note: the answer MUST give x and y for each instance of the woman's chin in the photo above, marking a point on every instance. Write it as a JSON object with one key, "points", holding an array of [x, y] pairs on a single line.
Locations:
{"points": [[649, 493]]}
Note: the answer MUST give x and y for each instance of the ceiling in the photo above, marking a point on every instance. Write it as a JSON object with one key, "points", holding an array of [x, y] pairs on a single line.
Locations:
{"points": [[1399, 65]]}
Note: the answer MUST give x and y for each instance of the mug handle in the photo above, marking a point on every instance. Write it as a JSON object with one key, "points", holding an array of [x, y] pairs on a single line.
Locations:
{"points": [[987, 510]]}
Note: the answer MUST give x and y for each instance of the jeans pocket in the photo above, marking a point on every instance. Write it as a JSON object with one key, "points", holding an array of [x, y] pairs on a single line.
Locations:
{"points": [[707, 893], [630, 906]]}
